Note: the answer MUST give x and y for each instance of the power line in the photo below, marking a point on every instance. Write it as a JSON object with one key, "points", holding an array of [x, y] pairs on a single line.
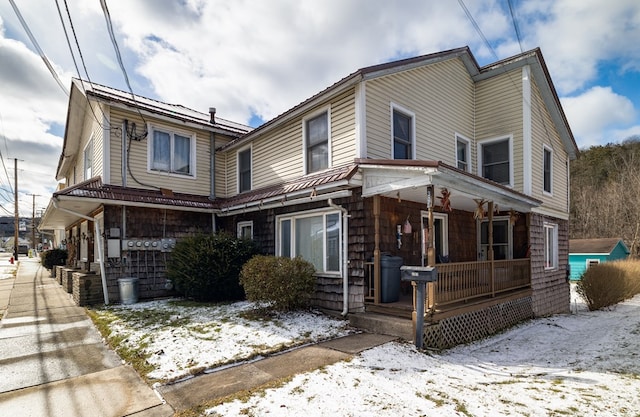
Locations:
{"points": [[73, 57], [112, 36], [515, 25], [37, 46]]}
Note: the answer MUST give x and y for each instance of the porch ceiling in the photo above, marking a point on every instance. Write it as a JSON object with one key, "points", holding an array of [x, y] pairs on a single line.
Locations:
{"points": [[408, 180]]}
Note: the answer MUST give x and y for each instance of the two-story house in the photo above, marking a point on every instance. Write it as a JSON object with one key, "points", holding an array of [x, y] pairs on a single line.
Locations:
{"points": [[432, 160], [427, 161], [138, 173]]}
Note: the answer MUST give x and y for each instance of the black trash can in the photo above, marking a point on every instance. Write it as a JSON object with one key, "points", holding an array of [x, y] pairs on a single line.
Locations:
{"points": [[390, 278]]}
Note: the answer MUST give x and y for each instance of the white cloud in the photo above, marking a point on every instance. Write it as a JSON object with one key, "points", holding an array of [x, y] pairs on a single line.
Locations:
{"points": [[577, 36], [595, 114]]}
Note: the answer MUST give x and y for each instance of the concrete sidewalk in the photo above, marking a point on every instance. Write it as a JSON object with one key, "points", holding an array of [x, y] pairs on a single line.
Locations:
{"points": [[218, 384], [53, 360]]}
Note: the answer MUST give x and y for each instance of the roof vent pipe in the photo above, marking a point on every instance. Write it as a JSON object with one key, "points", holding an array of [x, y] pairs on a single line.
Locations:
{"points": [[212, 112]]}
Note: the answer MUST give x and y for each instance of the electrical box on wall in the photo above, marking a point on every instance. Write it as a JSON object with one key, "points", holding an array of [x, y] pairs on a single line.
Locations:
{"points": [[163, 245], [113, 248]]}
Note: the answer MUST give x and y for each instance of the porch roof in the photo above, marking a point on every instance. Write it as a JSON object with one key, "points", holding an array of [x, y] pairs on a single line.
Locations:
{"points": [[408, 179], [87, 197]]}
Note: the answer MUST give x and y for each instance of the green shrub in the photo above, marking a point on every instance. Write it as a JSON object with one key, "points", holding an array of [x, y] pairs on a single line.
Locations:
{"points": [[207, 267], [285, 283], [50, 258], [609, 283]]}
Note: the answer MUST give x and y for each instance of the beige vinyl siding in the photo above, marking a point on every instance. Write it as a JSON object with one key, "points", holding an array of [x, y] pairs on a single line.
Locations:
{"points": [[544, 133], [277, 156], [441, 97], [200, 184], [499, 114], [90, 129]]}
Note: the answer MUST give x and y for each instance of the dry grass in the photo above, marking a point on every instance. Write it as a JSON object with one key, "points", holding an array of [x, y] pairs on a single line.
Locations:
{"points": [[609, 283]]}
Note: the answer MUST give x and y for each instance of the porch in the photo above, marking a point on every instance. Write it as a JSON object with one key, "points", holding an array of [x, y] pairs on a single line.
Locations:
{"points": [[461, 287]]}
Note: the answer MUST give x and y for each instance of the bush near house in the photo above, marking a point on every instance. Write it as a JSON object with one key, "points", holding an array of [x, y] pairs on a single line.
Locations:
{"points": [[609, 283], [285, 283], [53, 257], [207, 267]]}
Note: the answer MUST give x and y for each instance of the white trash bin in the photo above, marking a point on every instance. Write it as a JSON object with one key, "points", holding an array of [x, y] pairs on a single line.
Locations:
{"points": [[128, 290]]}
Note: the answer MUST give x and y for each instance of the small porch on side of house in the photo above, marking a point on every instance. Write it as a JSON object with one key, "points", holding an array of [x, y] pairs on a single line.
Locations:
{"points": [[475, 232]]}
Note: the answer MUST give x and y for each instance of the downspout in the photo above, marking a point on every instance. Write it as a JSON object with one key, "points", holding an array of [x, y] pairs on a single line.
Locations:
{"points": [[212, 167], [345, 261], [103, 273], [125, 126]]}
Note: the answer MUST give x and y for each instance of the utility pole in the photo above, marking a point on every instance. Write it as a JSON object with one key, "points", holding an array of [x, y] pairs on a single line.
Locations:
{"points": [[33, 224], [17, 219]]}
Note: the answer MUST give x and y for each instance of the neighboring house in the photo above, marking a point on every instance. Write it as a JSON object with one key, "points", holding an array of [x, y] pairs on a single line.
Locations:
{"points": [[584, 253], [432, 159], [142, 171]]}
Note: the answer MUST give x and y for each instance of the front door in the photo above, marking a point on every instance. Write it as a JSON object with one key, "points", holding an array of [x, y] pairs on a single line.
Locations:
{"points": [[440, 237]]}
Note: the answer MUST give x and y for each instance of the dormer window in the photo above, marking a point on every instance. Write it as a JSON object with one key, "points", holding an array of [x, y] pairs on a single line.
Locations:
{"points": [[171, 152]]}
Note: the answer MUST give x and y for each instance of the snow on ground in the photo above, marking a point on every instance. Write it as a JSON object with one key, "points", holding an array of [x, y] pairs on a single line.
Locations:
{"points": [[185, 338], [583, 364], [580, 364]]}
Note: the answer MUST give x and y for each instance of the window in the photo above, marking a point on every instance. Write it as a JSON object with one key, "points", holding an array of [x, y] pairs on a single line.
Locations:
{"points": [[547, 170], [592, 262], [403, 133], [502, 242], [244, 170], [171, 152], [550, 246], [462, 154], [245, 230], [315, 237], [317, 142], [495, 160], [88, 160]]}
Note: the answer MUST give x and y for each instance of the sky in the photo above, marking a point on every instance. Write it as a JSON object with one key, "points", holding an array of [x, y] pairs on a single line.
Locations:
{"points": [[253, 60]]}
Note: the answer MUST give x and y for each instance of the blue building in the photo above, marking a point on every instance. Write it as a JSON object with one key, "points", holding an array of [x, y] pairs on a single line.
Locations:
{"points": [[584, 253]]}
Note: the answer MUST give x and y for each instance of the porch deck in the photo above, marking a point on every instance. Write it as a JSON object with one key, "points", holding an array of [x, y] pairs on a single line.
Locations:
{"points": [[461, 287]]}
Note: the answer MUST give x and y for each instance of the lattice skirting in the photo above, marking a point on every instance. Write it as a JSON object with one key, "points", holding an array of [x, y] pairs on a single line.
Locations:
{"points": [[475, 325]]}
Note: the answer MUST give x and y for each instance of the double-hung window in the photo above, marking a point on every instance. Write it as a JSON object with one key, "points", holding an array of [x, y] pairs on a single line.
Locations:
{"points": [[502, 239], [88, 160], [403, 127], [550, 245], [495, 161], [462, 153], [171, 152], [316, 132], [244, 170], [547, 170], [316, 237]]}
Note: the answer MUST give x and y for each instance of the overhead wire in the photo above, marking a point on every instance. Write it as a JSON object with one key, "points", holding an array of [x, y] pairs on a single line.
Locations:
{"points": [[73, 57], [492, 50], [37, 46], [114, 41]]}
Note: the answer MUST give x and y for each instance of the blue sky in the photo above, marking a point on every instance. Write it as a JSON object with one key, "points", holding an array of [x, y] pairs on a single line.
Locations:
{"points": [[253, 60]]}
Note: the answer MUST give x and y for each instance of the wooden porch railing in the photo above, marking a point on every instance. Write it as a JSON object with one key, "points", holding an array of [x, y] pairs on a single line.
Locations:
{"points": [[465, 281]]}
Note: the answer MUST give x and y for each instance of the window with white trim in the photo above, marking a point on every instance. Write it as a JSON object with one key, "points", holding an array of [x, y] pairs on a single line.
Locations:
{"points": [[245, 230], [463, 154], [316, 237], [171, 152], [495, 161], [88, 159], [403, 129], [547, 170], [244, 170], [316, 141], [550, 245]]}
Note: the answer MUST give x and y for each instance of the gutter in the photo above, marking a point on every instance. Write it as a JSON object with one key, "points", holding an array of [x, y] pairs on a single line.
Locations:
{"points": [[100, 246], [345, 261]]}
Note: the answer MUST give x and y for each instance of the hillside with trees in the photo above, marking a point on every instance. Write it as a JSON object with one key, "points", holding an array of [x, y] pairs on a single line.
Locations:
{"points": [[605, 193]]}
